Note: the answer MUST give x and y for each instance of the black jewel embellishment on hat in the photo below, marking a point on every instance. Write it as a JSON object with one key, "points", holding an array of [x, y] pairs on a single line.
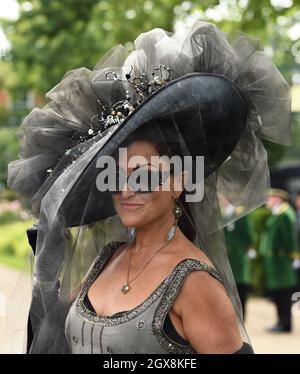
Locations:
{"points": [[116, 114], [143, 87]]}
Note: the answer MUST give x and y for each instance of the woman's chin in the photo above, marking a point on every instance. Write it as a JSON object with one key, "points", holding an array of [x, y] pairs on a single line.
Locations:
{"points": [[134, 221], [131, 221]]}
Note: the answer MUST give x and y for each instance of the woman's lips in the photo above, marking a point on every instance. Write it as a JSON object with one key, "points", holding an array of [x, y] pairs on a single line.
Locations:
{"points": [[131, 206]]}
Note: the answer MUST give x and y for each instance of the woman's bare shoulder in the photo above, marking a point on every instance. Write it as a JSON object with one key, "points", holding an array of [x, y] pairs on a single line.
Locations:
{"points": [[204, 298], [206, 284]]}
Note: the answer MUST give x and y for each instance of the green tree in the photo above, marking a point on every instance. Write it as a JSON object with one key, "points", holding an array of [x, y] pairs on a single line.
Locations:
{"points": [[8, 151], [51, 37]]}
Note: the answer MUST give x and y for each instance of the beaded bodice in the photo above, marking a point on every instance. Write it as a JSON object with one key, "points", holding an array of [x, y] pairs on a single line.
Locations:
{"points": [[139, 330]]}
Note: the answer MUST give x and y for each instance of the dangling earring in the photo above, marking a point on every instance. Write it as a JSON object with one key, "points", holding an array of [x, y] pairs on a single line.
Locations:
{"points": [[177, 211]]}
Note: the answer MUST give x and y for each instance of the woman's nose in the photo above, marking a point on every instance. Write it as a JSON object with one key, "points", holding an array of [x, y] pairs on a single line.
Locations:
{"points": [[127, 192]]}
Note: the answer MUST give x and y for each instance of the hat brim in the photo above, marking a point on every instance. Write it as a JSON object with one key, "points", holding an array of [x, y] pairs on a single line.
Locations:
{"points": [[210, 113], [278, 192]]}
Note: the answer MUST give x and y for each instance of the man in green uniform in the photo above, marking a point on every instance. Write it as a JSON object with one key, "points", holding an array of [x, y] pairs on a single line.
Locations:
{"points": [[278, 248], [239, 239], [297, 261]]}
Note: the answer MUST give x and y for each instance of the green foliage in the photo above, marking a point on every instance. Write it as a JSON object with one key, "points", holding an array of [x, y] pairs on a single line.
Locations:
{"points": [[56, 36], [275, 152], [4, 115], [52, 37], [7, 194], [13, 239], [292, 153], [9, 216], [19, 263], [8, 151]]}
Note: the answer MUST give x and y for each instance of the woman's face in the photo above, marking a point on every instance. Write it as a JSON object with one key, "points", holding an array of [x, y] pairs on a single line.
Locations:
{"points": [[138, 209]]}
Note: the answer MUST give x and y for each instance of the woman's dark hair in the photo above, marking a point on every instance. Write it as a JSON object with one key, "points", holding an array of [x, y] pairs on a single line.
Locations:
{"points": [[162, 134]]}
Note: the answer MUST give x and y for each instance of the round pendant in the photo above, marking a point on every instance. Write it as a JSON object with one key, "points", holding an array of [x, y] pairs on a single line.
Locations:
{"points": [[125, 289]]}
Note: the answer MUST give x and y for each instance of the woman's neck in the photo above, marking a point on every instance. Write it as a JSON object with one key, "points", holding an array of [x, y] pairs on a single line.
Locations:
{"points": [[154, 233]]}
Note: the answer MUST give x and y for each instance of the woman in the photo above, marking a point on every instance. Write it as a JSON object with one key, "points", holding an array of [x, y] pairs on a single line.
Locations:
{"points": [[152, 287], [190, 325]]}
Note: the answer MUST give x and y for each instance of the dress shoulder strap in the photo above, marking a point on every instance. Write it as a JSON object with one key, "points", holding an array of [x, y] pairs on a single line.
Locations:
{"points": [[181, 272], [188, 265], [101, 259], [184, 268], [107, 251]]}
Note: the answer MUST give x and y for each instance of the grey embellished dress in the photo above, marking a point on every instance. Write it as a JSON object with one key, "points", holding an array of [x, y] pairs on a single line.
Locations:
{"points": [[139, 330]]}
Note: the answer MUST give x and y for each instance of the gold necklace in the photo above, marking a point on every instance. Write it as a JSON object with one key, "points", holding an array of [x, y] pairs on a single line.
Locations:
{"points": [[126, 287]]}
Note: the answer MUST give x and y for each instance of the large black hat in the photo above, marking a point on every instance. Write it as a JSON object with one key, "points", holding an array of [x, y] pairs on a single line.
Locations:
{"points": [[210, 114], [224, 97]]}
